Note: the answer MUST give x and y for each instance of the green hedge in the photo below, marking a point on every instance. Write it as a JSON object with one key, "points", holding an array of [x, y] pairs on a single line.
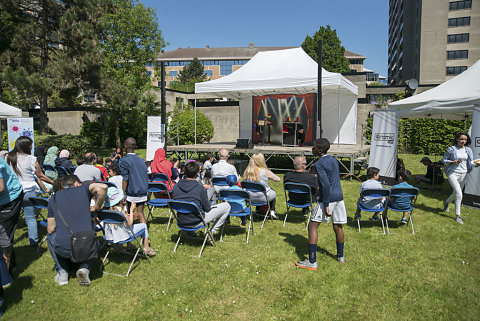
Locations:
{"points": [[76, 145], [424, 135], [186, 127]]}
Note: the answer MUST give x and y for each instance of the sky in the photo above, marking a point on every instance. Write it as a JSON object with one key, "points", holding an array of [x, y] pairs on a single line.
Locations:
{"points": [[362, 25]]}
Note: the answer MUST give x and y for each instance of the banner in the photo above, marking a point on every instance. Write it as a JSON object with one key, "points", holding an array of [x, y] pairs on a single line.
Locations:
{"points": [[17, 127], [383, 149], [471, 195], [155, 134]]}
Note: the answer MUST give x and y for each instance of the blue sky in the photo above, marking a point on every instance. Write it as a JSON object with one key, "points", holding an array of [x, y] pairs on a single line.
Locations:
{"points": [[362, 25]]}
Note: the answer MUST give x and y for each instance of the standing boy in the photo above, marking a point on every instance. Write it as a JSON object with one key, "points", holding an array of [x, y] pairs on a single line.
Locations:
{"points": [[330, 204]]}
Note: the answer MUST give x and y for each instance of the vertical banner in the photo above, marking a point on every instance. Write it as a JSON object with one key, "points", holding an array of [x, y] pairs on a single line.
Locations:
{"points": [[19, 127], [471, 195], [155, 134], [383, 149]]}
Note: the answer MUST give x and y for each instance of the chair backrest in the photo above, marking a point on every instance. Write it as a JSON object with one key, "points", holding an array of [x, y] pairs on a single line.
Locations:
{"points": [[375, 193], [111, 217], [157, 187], [404, 192], [62, 171], [298, 191], [253, 186], [48, 167], [235, 198], [161, 177], [188, 214], [220, 180], [39, 202]]}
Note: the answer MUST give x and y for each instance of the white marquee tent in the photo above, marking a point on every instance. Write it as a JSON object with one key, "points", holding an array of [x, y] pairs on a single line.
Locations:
{"points": [[7, 111], [290, 71]]}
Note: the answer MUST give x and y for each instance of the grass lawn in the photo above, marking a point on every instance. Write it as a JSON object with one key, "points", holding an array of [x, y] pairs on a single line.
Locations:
{"points": [[433, 274]]}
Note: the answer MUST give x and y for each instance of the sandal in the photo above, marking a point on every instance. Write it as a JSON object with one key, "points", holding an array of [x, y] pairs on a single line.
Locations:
{"points": [[149, 252]]}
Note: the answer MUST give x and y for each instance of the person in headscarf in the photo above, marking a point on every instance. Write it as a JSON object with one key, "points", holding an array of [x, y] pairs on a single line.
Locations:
{"points": [[40, 154], [63, 160], [52, 154], [162, 165]]}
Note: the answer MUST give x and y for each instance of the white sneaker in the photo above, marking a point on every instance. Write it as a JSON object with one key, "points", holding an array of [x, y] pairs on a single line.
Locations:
{"points": [[458, 219], [61, 279], [273, 214], [83, 277]]}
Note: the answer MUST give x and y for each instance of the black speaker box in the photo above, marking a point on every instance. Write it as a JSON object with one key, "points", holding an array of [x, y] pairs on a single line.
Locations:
{"points": [[244, 143]]}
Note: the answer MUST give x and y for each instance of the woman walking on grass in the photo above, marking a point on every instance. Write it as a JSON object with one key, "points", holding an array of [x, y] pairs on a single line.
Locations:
{"points": [[458, 160]]}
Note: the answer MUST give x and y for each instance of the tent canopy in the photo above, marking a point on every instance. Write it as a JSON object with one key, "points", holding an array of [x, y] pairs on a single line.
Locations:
{"points": [[455, 96], [276, 72], [7, 111]]}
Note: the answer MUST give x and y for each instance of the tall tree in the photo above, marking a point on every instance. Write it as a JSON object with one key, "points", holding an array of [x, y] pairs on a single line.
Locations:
{"points": [[193, 70], [333, 58], [131, 39]]}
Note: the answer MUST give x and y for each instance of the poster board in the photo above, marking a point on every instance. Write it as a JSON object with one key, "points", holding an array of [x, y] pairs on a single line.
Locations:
{"points": [[155, 136], [17, 127], [471, 195]]}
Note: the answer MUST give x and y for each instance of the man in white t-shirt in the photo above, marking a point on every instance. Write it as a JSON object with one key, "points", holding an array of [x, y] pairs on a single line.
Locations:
{"points": [[222, 168]]}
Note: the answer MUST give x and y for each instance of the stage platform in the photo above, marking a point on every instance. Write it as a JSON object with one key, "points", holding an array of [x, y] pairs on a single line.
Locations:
{"points": [[348, 155]]}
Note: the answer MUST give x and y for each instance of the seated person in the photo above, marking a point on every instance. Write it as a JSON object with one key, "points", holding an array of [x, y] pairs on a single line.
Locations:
{"points": [[108, 163], [189, 190], [63, 160], [87, 171], [434, 173], [72, 199], [175, 170], [301, 176], [372, 182], [223, 168], [236, 205], [118, 233], [401, 202], [115, 175], [98, 164]]}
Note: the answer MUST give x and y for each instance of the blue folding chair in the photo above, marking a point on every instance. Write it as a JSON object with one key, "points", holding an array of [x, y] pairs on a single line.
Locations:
{"points": [[161, 177], [402, 192], [235, 198], [299, 196], [219, 182], [116, 218], [374, 193], [255, 187], [41, 203], [158, 187], [62, 171], [48, 168], [189, 218]]}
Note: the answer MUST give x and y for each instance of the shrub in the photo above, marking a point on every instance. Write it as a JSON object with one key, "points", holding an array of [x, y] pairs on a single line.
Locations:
{"points": [[186, 127], [76, 145], [92, 131]]}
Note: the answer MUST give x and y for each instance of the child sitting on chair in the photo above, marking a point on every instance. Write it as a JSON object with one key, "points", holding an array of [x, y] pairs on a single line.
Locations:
{"points": [[236, 205], [369, 202], [118, 233], [401, 202]]}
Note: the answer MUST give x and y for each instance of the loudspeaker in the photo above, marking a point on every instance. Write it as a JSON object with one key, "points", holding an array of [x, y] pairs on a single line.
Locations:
{"points": [[244, 143]]}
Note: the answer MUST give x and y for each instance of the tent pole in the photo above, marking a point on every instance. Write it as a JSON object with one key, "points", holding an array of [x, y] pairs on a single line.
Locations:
{"points": [[319, 90], [164, 108], [195, 131], [338, 119]]}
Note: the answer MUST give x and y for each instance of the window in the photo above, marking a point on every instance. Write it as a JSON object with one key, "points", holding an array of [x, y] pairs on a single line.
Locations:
{"points": [[457, 38], [456, 70], [208, 73], [89, 98], [173, 73], [459, 22], [149, 73], [457, 54], [459, 5]]}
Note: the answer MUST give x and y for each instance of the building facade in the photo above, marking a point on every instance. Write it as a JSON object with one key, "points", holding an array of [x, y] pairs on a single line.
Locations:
{"points": [[432, 40]]}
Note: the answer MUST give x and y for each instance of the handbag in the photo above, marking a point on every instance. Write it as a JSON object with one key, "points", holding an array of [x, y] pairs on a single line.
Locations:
{"points": [[83, 245]]}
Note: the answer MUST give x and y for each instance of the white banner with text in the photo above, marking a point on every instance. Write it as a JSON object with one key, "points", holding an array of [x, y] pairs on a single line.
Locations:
{"points": [[472, 186], [155, 134]]}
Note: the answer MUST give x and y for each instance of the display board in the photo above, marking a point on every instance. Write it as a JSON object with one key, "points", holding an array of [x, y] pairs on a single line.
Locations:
{"points": [[19, 127], [472, 187], [155, 136]]}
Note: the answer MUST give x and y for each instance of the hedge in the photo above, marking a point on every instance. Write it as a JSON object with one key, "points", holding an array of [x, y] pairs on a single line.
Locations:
{"points": [[76, 145]]}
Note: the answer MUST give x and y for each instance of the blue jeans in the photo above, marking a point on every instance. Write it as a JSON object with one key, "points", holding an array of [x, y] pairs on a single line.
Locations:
{"points": [[61, 258], [30, 217]]}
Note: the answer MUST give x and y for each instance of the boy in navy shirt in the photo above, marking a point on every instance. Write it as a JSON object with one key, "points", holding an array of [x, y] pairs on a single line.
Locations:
{"points": [[330, 204]]}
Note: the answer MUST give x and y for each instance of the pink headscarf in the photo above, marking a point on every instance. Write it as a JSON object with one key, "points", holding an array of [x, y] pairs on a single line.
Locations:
{"points": [[64, 153], [160, 164]]}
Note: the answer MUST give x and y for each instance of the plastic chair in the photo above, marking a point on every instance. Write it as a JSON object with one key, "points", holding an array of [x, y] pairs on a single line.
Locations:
{"points": [[255, 187], [42, 204], [233, 197], [374, 193], [299, 191], [158, 187], [117, 218], [183, 211], [404, 192]]}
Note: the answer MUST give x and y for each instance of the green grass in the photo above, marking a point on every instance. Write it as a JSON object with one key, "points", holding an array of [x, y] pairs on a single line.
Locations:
{"points": [[430, 275]]}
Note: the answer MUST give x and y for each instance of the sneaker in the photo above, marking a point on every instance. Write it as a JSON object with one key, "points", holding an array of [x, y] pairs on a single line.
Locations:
{"points": [[273, 214], [61, 279], [341, 259], [83, 278], [445, 206], [403, 220], [357, 216], [305, 264], [459, 219], [375, 217]]}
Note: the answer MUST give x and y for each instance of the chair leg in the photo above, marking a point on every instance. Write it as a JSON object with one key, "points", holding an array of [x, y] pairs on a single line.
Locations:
{"points": [[358, 222], [411, 223], [133, 261], [178, 241], [169, 219], [265, 218], [222, 231], [150, 208], [310, 211], [285, 219], [383, 225], [250, 225], [386, 223]]}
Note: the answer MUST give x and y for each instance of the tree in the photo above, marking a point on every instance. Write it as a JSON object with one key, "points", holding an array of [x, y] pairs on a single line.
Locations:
{"points": [[183, 120], [333, 53], [131, 39], [193, 70]]}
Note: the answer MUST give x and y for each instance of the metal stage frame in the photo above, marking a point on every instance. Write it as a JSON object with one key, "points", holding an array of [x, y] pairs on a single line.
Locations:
{"points": [[347, 155]]}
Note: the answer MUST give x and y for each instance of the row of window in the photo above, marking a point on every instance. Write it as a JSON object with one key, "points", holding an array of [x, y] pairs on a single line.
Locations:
{"points": [[207, 63], [457, 38], [456, 70], [174, 73], [459, 22], [458, 5], [457, 54]]}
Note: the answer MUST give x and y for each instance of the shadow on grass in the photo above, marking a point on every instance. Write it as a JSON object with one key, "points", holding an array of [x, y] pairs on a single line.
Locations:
{"points": [[25, 255], [14, 294], [300, 243], [433, 210]]}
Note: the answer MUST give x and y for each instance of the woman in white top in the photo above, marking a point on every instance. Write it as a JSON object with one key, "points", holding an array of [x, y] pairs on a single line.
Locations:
{"points": [[26, 167], [257, 171], [458, 160]]}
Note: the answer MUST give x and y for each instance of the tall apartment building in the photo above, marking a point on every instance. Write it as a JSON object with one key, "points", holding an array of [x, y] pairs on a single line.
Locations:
{"points": [[432, 40]]}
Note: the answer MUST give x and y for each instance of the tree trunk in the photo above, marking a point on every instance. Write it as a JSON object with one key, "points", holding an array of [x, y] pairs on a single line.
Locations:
{"points": [[116, 122], [43, 66]]}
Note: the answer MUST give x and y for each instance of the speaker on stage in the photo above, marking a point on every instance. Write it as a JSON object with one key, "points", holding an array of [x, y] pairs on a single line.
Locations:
{"points": [[244, 143]]}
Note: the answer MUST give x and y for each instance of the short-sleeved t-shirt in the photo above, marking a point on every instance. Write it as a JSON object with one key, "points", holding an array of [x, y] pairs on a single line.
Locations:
{"points": [[13, 188], [88, 172], [401, 202], [371, 202], [74, 204]]}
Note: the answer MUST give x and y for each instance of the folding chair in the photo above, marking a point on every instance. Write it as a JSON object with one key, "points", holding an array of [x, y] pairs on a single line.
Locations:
{"points": [[47, 168], [255, 187], [374, 193], [161, 177], [117, 218], [158, 187], [233, 197], [299, 191], [62, 171], [182, 210], [407, 192], [42, 204]]}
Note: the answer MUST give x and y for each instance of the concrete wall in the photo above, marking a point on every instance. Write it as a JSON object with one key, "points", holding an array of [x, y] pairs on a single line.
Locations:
{"points": [[69, 122], [225, 121]]}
